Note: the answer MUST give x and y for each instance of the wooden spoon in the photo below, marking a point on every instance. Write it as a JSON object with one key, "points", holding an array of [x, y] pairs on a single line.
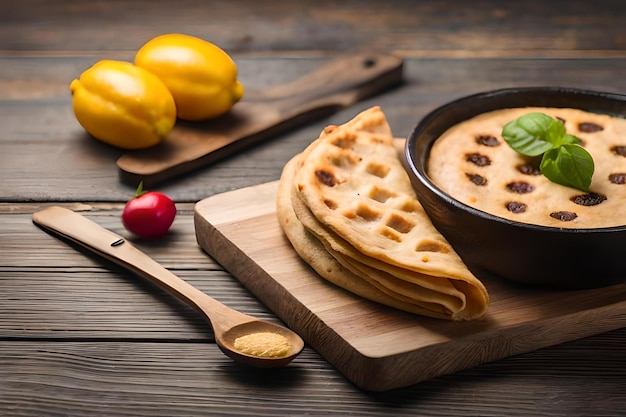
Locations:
{"points": [[228, 324]]}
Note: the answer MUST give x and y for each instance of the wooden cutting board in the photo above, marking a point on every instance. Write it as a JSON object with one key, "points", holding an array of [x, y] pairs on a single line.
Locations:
{"points": [[376, 347], [260, 115]]}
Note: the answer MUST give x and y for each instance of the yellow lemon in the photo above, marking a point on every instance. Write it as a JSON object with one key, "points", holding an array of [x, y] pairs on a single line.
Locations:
{"points": [[123, 105], [201, 76]]}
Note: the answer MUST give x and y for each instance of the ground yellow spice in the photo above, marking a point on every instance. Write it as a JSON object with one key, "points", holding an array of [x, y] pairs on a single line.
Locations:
{"points": [[263, 344]]}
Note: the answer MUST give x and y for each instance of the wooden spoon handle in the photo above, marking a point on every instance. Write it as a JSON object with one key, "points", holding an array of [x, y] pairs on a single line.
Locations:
{"points": [[109, 245]]}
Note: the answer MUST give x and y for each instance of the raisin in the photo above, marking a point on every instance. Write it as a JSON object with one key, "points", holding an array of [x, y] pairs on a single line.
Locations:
{"points": [[478, 159], [326, 177], [618, 178], [589, 127], [529, 169], [589, 199], [515, 207], [564, 216], [520, 187], [477, 179], [619, 150], [487, 140]]}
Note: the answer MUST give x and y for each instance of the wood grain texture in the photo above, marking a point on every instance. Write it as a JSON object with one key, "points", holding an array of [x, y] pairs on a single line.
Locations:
{"points": [[137, 379], [78, 337], [428, 84], [450, 28], [58, 291], [82, 339], [380, 348]]}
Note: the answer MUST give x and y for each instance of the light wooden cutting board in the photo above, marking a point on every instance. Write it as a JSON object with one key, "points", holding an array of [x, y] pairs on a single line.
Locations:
{"points": [[376, 347]]}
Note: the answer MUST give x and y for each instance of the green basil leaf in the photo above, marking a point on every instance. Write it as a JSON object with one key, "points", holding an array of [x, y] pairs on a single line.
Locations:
{"points": [[567, 139], [572, 139], [533, 134], [555, 132], [570, 165]]}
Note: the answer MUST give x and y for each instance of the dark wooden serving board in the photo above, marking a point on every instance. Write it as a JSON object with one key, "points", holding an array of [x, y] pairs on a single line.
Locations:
{"points": [[262, 114], [376, 347]]}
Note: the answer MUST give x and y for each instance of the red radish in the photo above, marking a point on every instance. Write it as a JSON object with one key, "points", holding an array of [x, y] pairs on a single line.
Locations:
{"points": [[149, 214]]}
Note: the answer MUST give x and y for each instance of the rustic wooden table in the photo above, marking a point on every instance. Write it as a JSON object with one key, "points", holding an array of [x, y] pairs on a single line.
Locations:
{"points": [[81, 337]]}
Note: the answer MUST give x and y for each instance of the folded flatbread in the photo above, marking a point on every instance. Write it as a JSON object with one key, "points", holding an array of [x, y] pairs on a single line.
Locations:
{"points": [[348, 208]]}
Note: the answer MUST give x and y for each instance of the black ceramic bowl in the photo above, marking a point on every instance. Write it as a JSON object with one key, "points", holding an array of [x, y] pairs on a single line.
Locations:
{"points": [[493, 246]]}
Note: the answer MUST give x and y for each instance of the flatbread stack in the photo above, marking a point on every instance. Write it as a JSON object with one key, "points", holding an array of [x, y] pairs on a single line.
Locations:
{"points": [[348, 208]]}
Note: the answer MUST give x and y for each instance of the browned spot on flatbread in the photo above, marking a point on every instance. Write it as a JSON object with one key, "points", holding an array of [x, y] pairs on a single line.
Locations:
{"points": [[326, 178], [431, 247]]}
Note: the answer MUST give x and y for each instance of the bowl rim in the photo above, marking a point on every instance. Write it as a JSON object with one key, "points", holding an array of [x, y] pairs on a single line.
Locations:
{"points": [[410, 150]]}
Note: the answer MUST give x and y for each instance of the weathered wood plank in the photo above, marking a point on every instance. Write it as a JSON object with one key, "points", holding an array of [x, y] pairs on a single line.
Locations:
{"points": [[457, 27], [24, 245], [53, 289], [107, 364], [79, 168], [176, 379]]}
